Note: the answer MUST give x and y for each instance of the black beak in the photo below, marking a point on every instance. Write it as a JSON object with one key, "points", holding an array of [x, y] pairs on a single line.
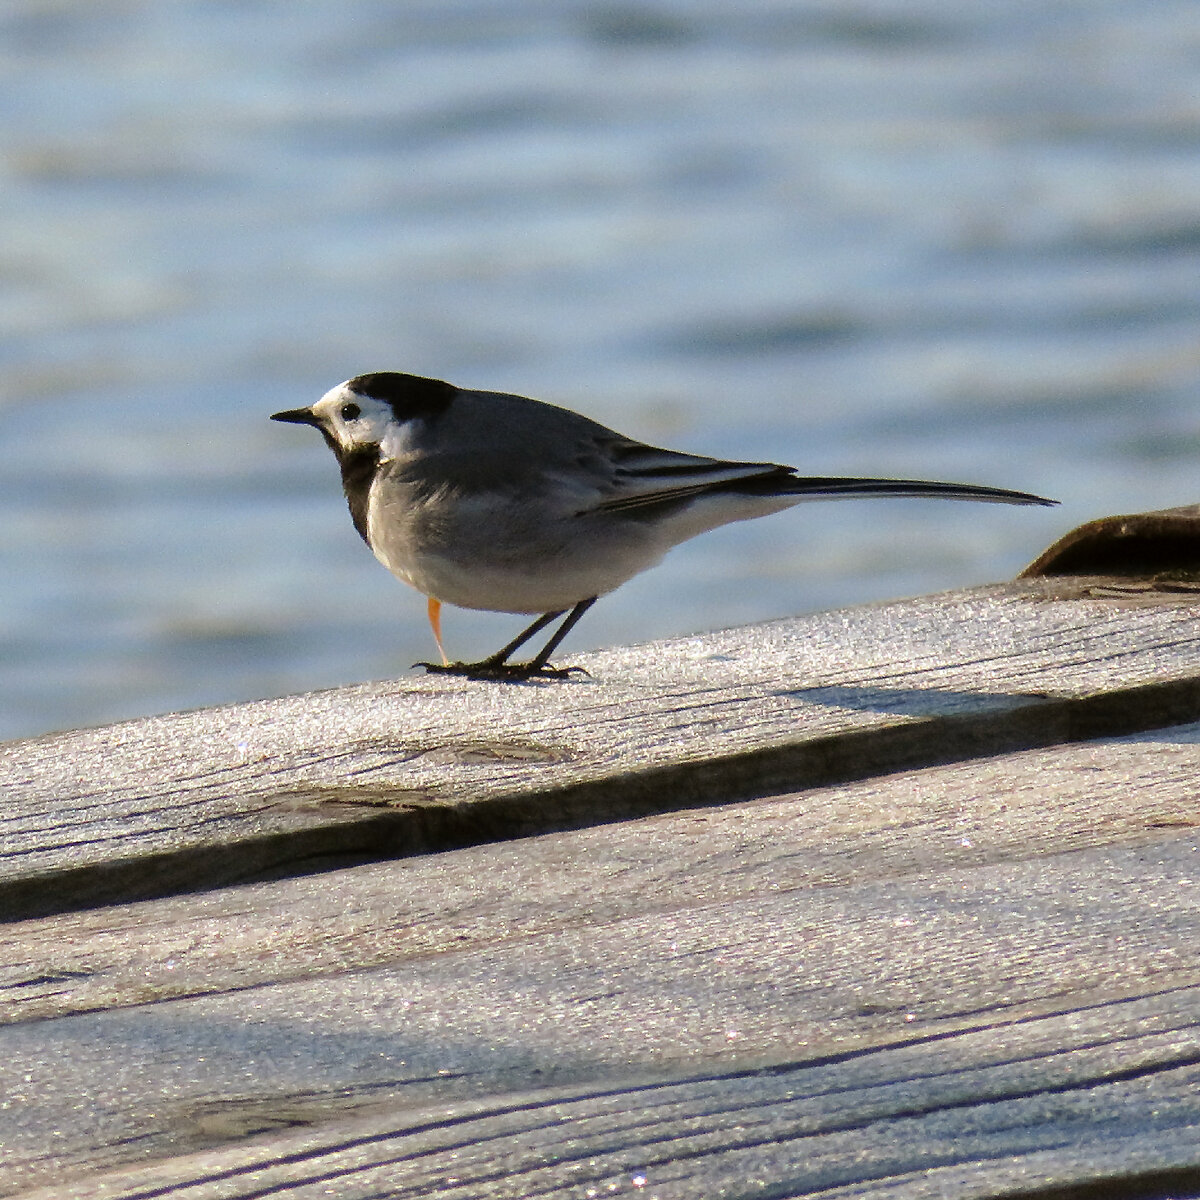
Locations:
{"points": [[297, 416]]}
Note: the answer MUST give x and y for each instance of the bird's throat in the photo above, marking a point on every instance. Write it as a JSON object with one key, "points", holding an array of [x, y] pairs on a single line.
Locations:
{"points": [[358, 472]]}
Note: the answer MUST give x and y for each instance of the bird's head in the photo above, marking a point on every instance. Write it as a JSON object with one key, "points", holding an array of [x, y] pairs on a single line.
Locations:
{"points": [[372, 411]]}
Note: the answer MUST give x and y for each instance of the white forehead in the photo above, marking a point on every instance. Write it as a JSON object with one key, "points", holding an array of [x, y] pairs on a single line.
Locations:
{"points": [[331, 404]]}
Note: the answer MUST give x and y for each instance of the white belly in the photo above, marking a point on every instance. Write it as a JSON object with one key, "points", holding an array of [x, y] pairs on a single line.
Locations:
{"points": [[497, 571], [500, 556], [495, 590]]}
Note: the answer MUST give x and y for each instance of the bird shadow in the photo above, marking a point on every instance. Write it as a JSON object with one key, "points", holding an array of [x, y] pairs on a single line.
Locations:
{"points": [[1087, 719], [914, 701]]}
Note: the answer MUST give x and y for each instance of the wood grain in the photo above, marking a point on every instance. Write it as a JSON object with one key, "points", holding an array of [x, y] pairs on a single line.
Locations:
{"points": [[902, 901], [1018, 807], [678, 983], [198, 800]]}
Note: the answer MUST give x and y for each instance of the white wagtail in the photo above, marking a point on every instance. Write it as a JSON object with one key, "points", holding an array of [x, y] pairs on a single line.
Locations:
{"points": [[498, 502]]}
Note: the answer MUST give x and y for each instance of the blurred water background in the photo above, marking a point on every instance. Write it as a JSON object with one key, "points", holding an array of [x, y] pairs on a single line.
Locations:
{"points": [[936, 238]]}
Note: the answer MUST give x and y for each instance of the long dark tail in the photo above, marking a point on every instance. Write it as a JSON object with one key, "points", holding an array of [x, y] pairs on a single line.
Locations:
{"points": [[834, 488], [675, 480]]}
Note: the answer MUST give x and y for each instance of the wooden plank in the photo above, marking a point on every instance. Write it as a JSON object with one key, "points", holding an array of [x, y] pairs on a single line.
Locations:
{"points": [[714, 996], [281, 787], [1022, 806], [1106, 1096]]}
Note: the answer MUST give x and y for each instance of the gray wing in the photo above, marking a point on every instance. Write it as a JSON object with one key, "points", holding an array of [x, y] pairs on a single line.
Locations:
{"points": [[646, 477]]}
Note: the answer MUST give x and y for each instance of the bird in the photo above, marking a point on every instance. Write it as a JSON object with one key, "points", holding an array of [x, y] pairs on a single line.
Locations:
{"points": [[488, 500]]}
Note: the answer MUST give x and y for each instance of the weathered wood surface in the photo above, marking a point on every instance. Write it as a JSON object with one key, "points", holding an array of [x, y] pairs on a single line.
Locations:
{"points": [[973, 980], [281, 787], [1017, 807], [1109, 1091]]}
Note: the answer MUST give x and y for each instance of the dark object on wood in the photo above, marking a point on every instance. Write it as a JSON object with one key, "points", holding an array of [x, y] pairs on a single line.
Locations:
{"points": [[1163, 546]]}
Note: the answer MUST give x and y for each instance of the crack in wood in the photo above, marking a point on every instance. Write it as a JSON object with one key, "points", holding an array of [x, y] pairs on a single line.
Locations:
{"points": [[406, 821]]}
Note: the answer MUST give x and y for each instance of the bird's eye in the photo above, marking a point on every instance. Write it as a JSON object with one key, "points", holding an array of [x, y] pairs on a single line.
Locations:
{"points": [[351, 412]]}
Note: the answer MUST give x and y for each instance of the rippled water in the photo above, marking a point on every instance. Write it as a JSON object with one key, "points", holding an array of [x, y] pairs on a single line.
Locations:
{"points": [[947, 239]]}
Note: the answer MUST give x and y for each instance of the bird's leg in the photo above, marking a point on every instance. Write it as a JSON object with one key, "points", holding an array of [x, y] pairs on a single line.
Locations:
{"points": [[539, 663], [503, 654], [435, 623], [497, 666]]}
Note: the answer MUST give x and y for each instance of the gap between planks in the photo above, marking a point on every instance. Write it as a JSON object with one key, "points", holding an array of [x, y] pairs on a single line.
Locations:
{"points": [[161, 807]]}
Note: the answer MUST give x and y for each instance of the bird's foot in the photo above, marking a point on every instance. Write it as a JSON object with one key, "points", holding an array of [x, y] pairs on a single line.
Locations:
{"points": [[501, 672]]}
